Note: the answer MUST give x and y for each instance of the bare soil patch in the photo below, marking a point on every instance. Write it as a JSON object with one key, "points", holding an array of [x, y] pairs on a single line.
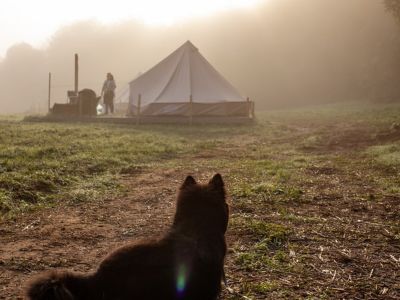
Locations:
{"points": [[313, 215], [351, 137], [345, 246], [78, 237]]}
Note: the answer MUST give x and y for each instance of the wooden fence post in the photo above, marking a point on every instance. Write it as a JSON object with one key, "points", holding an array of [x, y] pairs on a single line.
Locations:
{"points": [[76, 73], [49, 94], [248, 107], [139, 103], [191, 109], [76, 80]]}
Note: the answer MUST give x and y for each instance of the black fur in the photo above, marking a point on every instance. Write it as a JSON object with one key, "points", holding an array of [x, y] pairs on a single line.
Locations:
{"points": [[187, 264]]}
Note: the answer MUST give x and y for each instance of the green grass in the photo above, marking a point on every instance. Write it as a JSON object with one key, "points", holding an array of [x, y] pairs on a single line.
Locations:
{"points": [[41, 164], [388, 155], [286, 176], [260, 288]]}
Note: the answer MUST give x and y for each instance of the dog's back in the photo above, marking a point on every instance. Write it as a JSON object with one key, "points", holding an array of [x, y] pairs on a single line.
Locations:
{"points": [[186, 264]]}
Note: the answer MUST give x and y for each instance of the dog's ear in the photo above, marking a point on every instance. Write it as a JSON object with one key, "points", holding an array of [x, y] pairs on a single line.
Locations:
{"points": [[216, 182], [189, 181]]}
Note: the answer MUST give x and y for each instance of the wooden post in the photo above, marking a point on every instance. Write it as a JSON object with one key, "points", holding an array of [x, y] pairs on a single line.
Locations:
{"points": [[76, 73], [49, 94], [76, 83], [139, 103], [252, 109], [191, 110], [248, 107]]}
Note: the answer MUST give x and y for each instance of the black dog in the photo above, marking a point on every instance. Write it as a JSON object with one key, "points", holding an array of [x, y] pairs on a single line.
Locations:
{"points": [[188, 263]]}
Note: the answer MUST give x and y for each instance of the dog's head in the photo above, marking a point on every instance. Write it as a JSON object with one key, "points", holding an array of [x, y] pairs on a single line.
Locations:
{"points": [[203, 204]]}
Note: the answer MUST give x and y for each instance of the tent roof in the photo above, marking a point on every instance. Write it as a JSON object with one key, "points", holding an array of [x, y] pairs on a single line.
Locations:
{"points": [[182, 74]]}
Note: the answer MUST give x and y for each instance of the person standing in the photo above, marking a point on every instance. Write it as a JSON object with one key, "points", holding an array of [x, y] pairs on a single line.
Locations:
{"points": [[108, 93]]}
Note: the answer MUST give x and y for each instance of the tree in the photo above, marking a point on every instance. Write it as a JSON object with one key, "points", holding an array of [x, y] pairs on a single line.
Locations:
{"points": [[393, 6], [23, 78]]}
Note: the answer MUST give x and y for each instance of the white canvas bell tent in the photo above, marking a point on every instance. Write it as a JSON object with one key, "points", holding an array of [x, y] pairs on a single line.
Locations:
{"points": [[185, 84]]}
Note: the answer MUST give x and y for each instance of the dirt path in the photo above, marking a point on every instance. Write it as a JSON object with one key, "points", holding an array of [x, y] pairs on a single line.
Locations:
{"points": [[343, 242], [78, 237]]}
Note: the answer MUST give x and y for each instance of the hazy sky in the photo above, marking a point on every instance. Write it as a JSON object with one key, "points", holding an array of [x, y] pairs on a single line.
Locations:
{"points": [[35, 21], [278, 52]]}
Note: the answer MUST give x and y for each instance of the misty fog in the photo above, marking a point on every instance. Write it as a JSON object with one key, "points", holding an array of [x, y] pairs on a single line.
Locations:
{"points": [[283, 53]]}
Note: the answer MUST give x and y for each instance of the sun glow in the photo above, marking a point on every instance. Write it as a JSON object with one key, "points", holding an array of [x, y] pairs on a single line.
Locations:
{"points": [[158, 11], [168, 12], [35, 21]]}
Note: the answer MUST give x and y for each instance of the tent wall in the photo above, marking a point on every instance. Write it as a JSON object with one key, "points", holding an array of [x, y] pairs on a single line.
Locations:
{"points": [[234, 109], [185, 74]]}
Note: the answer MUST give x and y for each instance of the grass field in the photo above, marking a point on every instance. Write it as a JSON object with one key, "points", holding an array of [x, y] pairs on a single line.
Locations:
{"points": [[314, 196]]}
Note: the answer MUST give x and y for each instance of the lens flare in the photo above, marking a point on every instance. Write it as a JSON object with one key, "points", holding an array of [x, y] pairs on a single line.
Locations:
{"points": [[181, 280]]}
